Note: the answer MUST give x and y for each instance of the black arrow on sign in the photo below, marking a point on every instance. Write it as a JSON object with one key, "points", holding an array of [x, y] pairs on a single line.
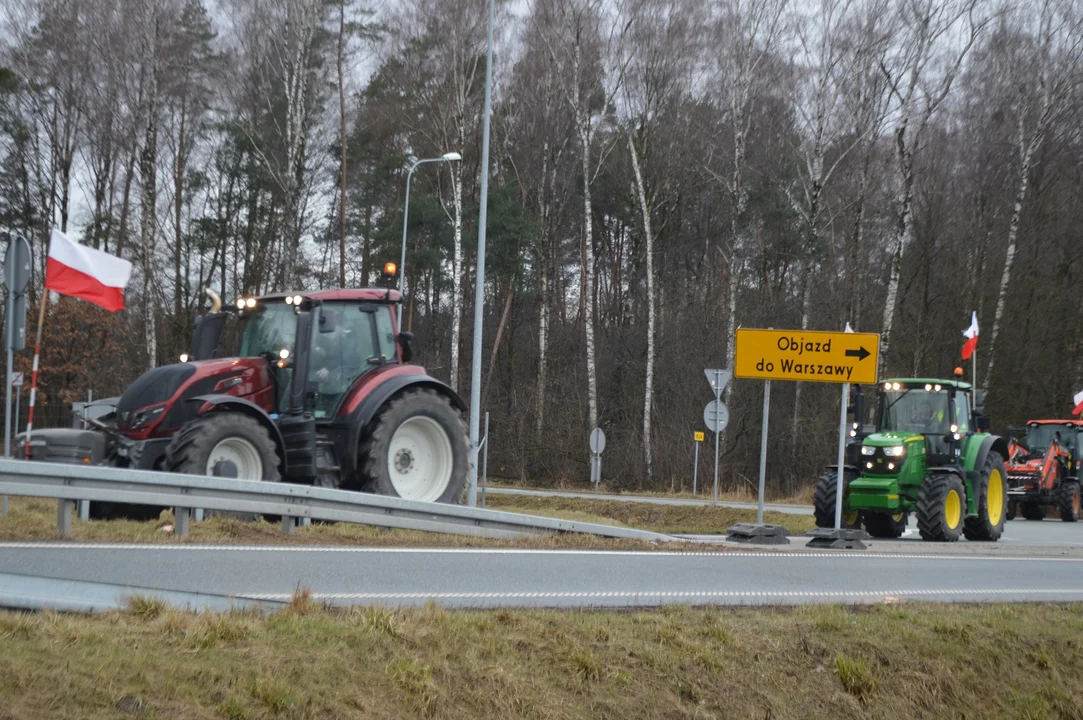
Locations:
{"points": [[861, 353]]}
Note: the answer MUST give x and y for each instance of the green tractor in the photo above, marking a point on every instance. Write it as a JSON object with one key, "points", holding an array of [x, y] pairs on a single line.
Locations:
{"points": [[931, 454]]}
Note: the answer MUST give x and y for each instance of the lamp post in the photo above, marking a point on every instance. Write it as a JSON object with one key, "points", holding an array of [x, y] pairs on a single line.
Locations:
{"points": [[479, 276], [446, 157]]}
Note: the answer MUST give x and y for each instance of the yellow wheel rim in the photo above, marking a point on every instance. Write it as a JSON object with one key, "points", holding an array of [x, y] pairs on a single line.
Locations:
{"points": [[850, 518], [953, 509], [994, 497], [897, 517]]}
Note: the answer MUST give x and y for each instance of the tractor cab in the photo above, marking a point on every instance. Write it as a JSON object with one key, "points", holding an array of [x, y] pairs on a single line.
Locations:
{"points": [[931, 454]]}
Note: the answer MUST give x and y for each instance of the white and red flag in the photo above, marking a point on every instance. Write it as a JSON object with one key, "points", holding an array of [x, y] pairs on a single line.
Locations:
{"points": [[971, 335], [1078, 400], [86, 273]]}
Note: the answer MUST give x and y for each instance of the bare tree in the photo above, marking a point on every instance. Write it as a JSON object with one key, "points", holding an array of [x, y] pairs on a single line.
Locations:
{"points": [[933, 39], [1044, 72]]}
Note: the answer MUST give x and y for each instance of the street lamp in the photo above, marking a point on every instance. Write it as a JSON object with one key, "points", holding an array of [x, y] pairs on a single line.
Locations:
{"points": [[479, 276], [446, 157]]}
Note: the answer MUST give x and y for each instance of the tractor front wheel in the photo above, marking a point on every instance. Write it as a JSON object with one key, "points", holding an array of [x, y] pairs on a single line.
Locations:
{"points": [[1068, 501], [941, 508], [416, 449], [991, 493], [824, 502], [885, 525], [224, 444]]}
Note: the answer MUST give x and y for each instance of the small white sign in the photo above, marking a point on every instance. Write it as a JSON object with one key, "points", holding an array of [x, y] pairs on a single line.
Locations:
{"points": [[16, 379]]}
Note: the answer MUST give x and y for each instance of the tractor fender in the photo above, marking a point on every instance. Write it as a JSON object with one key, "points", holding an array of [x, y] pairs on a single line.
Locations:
{"points": [[363, 414], [236, 404]]}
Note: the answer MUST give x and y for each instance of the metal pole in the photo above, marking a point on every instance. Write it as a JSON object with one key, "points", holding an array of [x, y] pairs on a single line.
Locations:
{"points": [[479, 276], [763, 448], [402, 256], [842, 454], [485, 461], [9, 340], [974, 368], [695, 468], [717, 431]]}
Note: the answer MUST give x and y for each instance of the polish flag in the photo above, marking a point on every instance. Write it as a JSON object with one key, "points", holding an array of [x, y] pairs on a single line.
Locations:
{"points": [[83, 272], [971, 335], [1078, 400]]}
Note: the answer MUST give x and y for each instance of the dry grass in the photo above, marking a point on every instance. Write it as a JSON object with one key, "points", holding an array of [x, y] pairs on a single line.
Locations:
{"points": [[35, 519], [680, 519], [995, 661], [739, 493]]}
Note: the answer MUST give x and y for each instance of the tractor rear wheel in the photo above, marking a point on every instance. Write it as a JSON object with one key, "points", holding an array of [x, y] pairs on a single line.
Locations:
{"points": [[941, 508], [1032, 511], [224, 444], [991, 492], [824, 501], [885, 525], [1013, 510], [1068, 501], [416, 449]]}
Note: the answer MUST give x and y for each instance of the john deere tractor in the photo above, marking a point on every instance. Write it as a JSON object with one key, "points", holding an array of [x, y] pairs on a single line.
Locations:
{"points": [[930, 454]]}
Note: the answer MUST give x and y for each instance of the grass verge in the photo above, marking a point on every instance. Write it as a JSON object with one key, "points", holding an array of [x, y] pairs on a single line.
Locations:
{"points": [[1012, 661], [35, 519]]}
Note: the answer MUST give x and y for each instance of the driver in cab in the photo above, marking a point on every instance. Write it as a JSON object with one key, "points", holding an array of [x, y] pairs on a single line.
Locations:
{"points": [[336, 355], [925, 416]]}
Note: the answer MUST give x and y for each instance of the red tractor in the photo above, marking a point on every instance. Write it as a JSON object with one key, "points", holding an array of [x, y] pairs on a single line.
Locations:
{"points": [[320, 391], [1043, 470]]}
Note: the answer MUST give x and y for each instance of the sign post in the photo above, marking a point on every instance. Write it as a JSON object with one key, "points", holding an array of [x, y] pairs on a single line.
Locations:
{"points": [[697, 439], [716, 415], [802, 356], [17, 264], [597, 446]]}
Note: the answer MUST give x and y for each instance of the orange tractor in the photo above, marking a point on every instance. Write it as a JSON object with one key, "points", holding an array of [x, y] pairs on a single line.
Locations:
{"points": [[1044, 469]]}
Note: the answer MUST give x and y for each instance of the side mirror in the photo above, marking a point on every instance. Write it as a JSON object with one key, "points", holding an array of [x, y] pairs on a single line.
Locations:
{"points": [[979, 402], [328, 320], [405, 338]]}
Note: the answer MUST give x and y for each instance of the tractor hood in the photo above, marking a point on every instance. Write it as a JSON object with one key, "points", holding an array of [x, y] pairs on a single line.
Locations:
{"points": [[166, 388], [887, 439]]}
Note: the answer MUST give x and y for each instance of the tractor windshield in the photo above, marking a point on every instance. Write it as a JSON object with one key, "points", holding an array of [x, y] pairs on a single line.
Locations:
{"points": [[915, 410], [270, 328], [1039, 436]]}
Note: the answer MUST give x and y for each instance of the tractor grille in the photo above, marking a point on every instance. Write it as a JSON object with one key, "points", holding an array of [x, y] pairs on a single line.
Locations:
{"points": [[153, 387], [880, 462]]}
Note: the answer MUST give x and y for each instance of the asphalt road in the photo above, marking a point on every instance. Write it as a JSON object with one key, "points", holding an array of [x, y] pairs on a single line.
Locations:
{"points": [[478, 578]]}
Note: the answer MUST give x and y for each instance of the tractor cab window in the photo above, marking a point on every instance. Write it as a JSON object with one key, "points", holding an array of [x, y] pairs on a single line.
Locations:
{"points": [[344, 346], [915, 410], [269, 328], [1040, 436], [385, 333], [962, 412]]}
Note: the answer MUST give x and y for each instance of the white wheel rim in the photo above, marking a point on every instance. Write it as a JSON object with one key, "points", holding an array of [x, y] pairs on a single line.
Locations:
{"points": [[241, 453], [419, 459]]}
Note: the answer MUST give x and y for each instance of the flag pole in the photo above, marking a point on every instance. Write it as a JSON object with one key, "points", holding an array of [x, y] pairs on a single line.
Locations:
{"points": [[974, 368], [34, 373]]}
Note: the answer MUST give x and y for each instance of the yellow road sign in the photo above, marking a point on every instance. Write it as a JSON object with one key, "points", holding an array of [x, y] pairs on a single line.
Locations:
{"points": [[807, 355], [699, 436]]}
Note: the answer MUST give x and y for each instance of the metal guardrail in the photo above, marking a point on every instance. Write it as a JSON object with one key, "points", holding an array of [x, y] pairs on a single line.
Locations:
{"points": [[186, 493]]}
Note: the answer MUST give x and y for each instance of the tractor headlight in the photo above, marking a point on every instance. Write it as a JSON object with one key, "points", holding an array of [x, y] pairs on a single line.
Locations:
{"points": [[895, 451], [146, 416], [868, 450]]}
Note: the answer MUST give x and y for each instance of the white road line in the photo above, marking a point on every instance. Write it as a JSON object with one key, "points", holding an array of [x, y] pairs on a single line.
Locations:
{"points": [[866, 594], [733, 554]]}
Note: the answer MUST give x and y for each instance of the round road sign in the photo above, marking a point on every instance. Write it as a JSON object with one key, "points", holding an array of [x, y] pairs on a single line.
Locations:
{"points": [[716, 416], [597, 441]]}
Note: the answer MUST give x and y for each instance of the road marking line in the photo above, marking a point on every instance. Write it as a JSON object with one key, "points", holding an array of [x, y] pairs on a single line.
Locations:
{"points": [[732, 554], [675, 594]]}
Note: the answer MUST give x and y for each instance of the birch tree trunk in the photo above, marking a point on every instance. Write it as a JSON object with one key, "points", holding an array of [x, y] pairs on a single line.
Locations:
{"points": [[648, 241], [456, 270], [903, 233], [148, 166]]}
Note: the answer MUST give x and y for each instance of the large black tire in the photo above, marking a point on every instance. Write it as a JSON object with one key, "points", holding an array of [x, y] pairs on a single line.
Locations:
{"points": [[991, 492], [1032, 511], [941, 508], [190, 449], [1068, 501], [885, 525], [430, 415], [1013, 510], [824, 500]]}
